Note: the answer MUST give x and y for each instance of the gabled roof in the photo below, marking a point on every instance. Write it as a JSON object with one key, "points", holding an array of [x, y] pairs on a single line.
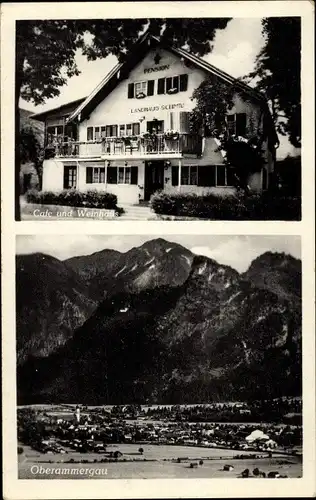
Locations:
{"points": [[121, 70], [42, 116]]}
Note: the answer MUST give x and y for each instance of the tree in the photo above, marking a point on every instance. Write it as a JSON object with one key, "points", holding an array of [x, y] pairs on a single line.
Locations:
{"points": [[31, 150], [46, 53], [213, 100], [141, 450], [278, 68]]}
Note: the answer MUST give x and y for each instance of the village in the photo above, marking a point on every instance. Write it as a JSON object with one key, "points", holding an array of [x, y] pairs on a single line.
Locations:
{"points": [[78, 434]]}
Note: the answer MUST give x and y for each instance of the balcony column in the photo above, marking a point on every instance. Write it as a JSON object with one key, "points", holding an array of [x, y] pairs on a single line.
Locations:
{"points": [[78, 168], [105, 173], [179, 176]]}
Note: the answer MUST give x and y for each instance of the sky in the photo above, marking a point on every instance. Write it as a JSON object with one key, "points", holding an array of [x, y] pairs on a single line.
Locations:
{"points": [[235, 251], [234, 50]]}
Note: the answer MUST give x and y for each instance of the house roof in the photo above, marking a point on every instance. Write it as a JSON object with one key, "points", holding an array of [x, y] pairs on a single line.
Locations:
{"points": [[42, 116], [121, 70]]}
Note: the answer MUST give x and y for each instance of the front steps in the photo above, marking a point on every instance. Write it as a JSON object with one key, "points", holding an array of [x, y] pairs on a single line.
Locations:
{"points": [[137, 212]]}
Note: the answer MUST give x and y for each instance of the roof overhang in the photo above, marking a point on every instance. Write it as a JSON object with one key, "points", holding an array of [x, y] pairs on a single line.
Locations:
{"points": [[121, 71], [42, 116]]}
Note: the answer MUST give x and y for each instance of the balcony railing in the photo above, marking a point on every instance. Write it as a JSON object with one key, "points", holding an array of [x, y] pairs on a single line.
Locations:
{"points": [[137, 147]]}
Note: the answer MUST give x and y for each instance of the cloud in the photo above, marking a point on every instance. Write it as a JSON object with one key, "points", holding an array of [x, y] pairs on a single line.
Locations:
{"points": [[235, 251], [238, 61], [239, 251]]}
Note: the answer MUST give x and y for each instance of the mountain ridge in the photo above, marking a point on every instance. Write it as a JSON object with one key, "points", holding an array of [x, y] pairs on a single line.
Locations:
{"points": [[209, 333]]}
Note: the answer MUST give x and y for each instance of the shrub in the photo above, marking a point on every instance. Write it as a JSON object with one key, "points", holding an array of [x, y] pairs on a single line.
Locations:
{"points": [[74, 198], [20, 450], [265, 206]]}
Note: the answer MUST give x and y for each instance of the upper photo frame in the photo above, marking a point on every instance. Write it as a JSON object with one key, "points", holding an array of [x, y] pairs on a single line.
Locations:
{"points": [[158, 119]]}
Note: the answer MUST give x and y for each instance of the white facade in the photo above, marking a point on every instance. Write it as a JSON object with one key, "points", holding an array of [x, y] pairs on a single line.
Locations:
{"points": [[140, 169]]}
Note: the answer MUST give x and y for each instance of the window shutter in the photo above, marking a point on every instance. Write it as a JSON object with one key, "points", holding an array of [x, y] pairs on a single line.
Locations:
{"points": [[89, 175], [171, 120], [115, 134], [231, 180], [161, 86], [168, 84], [150, 87], [175, 83], [130, 92], [183, 83], [136, 128], [112, 175], [175, 175], [134, 175], [206, 176], [241, 121], [184, 122], [108, 131], [66, 177], [89, 133], [221, 176]]}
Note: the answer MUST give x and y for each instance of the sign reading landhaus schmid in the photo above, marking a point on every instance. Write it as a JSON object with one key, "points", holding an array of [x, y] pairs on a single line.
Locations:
{"points": [[163, 107]]}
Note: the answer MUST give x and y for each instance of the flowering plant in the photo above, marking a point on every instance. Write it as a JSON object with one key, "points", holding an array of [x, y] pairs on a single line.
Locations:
{"points": [[171, 134]]}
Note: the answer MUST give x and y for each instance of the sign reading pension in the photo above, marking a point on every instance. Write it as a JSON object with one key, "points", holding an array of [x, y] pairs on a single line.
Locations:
{"points": [[156, 68], [163, 107]]}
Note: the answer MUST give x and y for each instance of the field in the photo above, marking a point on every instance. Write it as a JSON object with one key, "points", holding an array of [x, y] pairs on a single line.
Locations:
{"points": [[156, 462]]}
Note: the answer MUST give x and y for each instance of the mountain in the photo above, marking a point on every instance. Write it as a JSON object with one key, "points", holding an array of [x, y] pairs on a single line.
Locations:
{"points": [[51, 302], [155, 263], [177, 328], [55, 297], [27, 122], [278, 273]]}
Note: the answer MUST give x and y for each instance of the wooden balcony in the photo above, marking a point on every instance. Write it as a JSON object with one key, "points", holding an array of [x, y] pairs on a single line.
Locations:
{"points": [[136, 147]]}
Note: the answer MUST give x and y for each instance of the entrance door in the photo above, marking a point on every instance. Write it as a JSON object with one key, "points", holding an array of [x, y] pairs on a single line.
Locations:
{"points": [[154, 177]]}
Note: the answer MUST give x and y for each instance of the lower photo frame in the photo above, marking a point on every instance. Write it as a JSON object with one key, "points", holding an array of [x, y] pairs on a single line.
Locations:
{"points": [[145, 357]]}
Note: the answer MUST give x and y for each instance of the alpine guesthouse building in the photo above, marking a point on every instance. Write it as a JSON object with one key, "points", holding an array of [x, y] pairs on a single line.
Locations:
{"points": [[131, 135]]}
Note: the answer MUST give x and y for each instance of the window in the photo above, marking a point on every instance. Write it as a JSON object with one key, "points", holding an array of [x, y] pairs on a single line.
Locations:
{"points": [[172, 84], [90, 134], [130, 129], [70, 177], [156, 126], [204, 176], [58, 130], [111, 131], [95, 175], [207, 176], [141, 89], [237, 123], [189, 175], [122, 175], [53, 133]]}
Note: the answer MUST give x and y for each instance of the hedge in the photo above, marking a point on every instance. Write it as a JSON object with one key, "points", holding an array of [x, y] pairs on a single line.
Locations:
{"points": [[74, 198], [265, 206]]}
